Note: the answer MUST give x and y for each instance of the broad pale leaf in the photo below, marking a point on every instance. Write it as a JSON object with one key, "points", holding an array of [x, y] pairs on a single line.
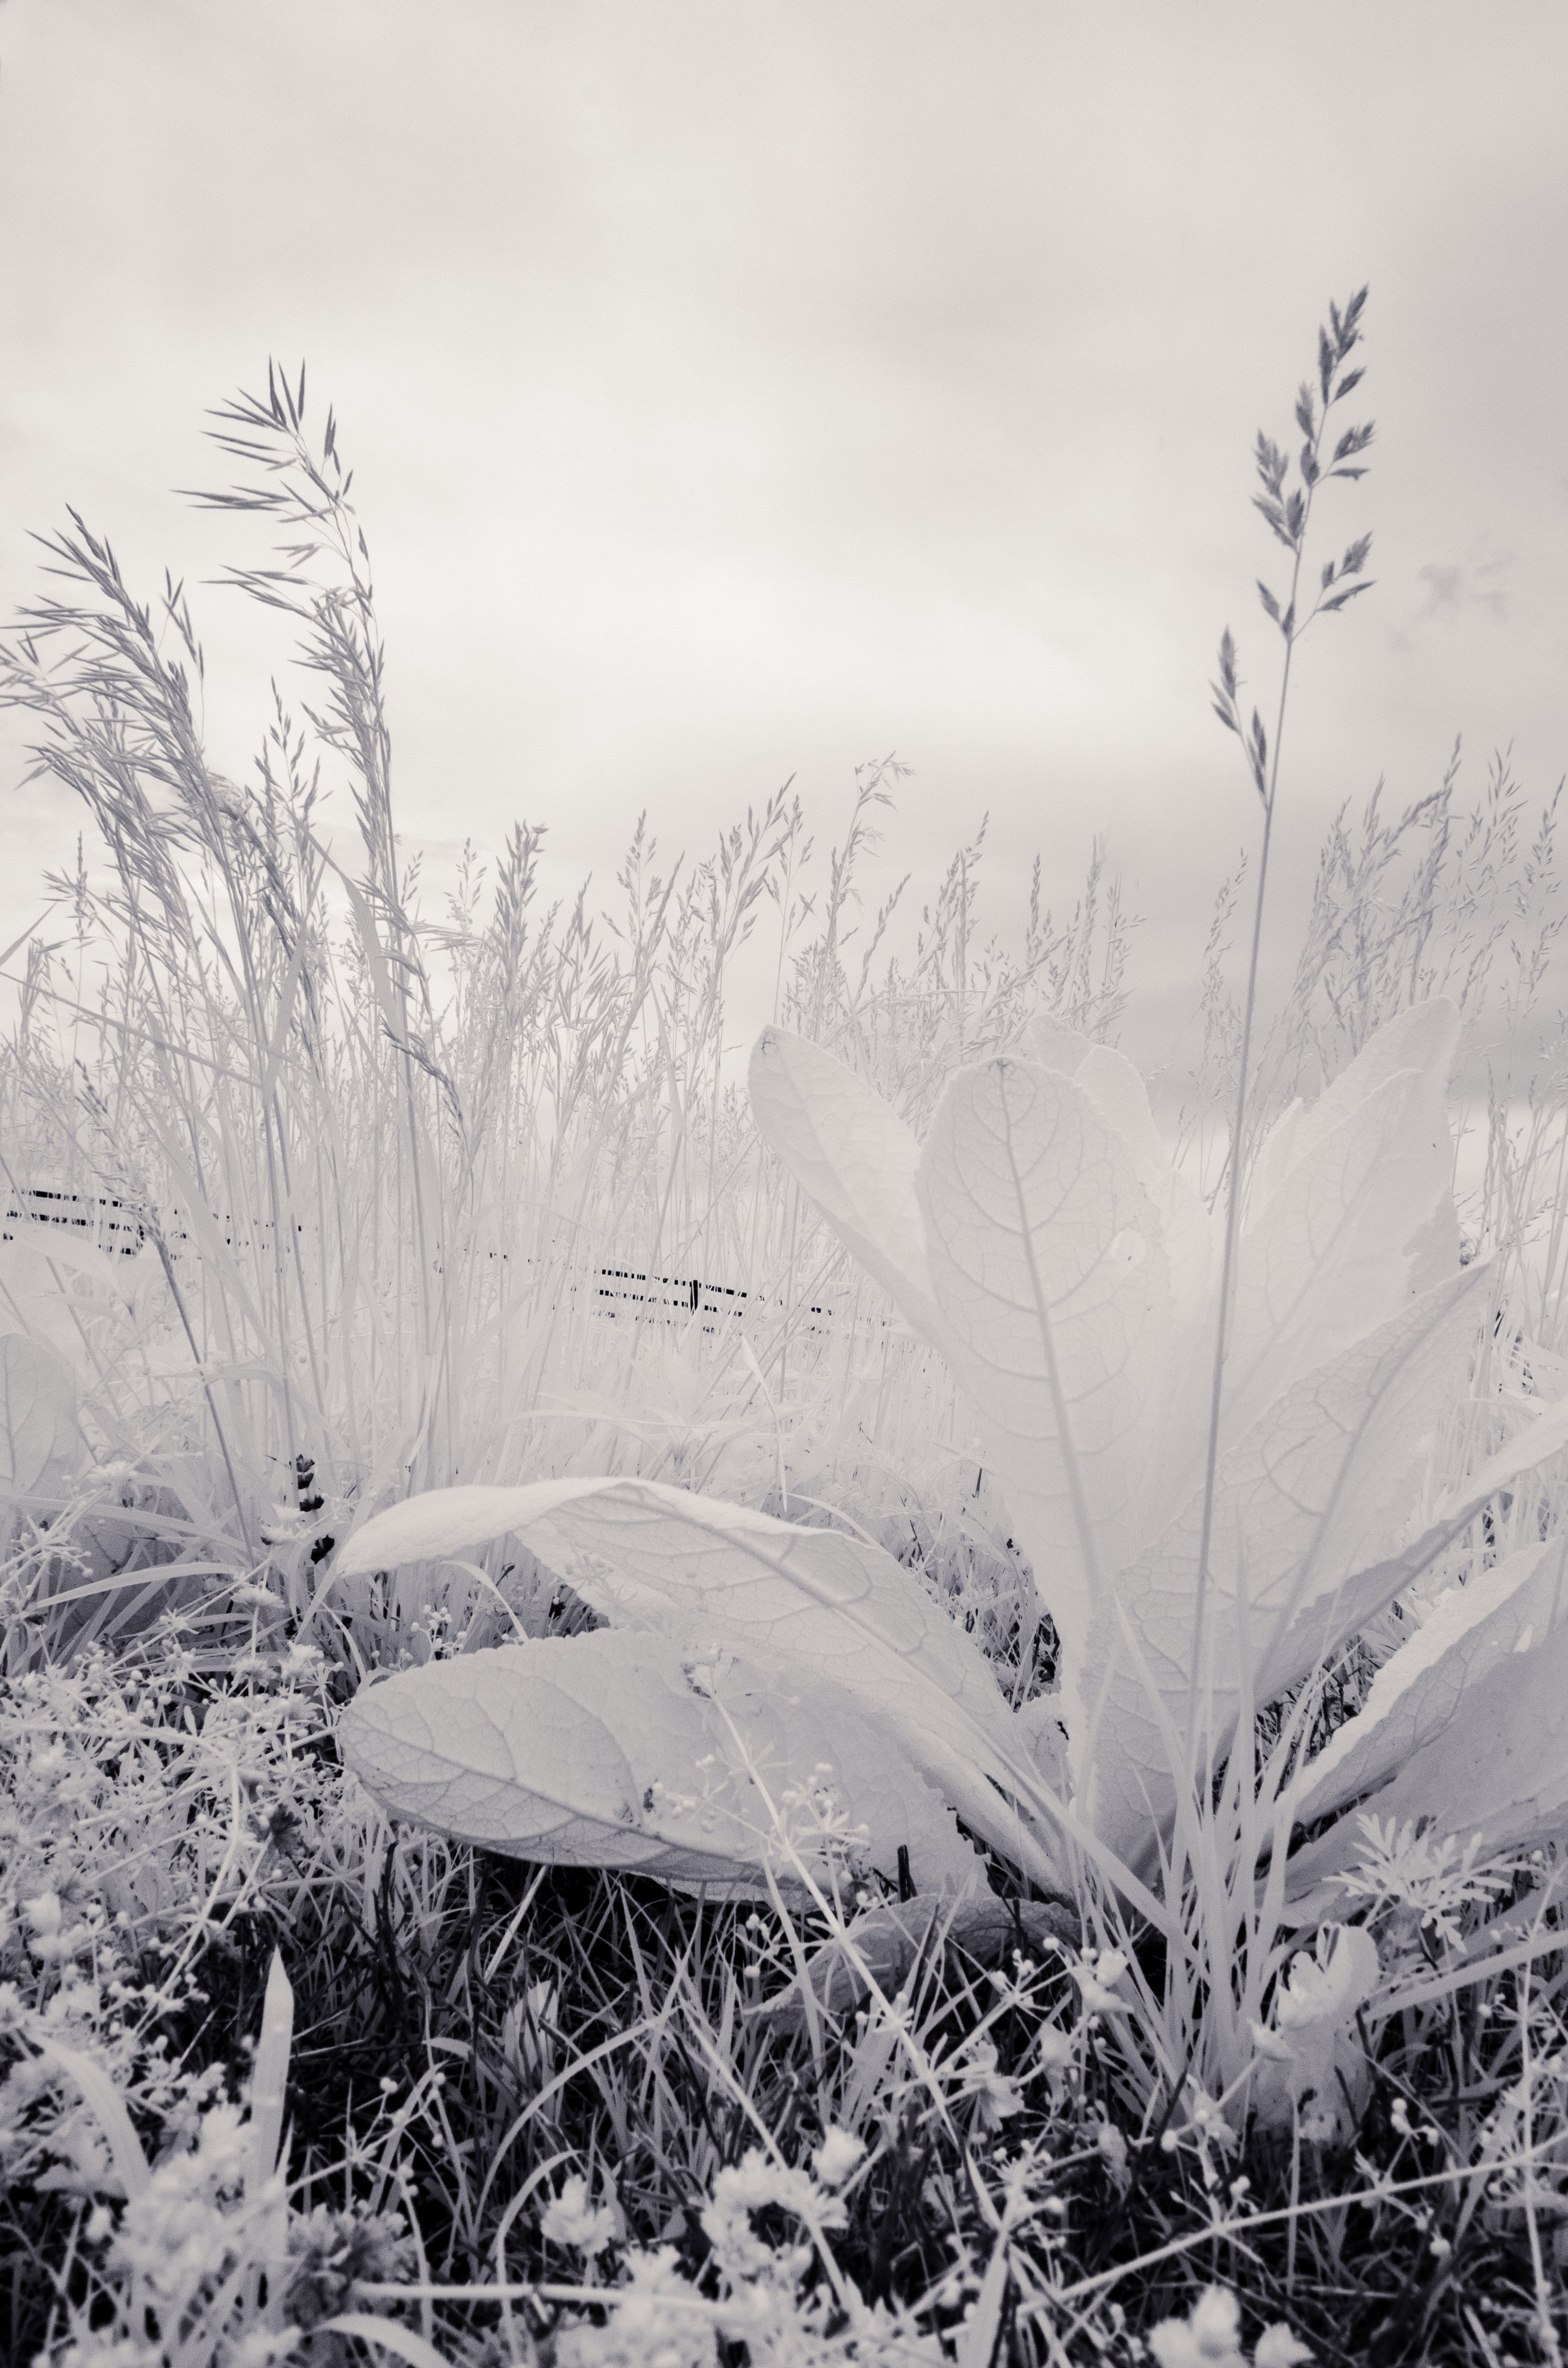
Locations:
{"points": [[1499, 1768], [1056, 1046], [853, 1156], [1048, 1263], [1119, 1094], [1325, 1476], [1313, 1638], [1187, 1230], [1409, 1372], [1275, 1157], [1420, 1687], [829, 1608], [36, 1292], [1422, 1038], [541, 1749], [610, 1749], [441, 1523], [41, 1440], [820, 1763], [1354, 1225]]}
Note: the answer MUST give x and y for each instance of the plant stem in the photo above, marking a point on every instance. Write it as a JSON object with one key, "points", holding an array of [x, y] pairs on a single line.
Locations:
{"points": [[1233, 1191]]}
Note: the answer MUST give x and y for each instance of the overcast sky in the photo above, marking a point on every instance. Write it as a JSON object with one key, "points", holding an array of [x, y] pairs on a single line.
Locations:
{"points": [[742, 390]]}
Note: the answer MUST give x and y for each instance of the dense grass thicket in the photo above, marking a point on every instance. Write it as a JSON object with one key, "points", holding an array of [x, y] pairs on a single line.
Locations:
{"points": [[314, 1202]]}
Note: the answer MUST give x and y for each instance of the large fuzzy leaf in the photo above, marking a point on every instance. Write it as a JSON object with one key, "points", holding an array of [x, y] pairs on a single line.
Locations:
{"points": [[1496, 1768], [1187, 1233], [1056, 1046], [1119, 1094], [1313, 1637], [1352, 1216], [829, 1608], [41, 1440], [1423, 1040], [853, 1157], [610, 1750], [1428, 1685], [1318, 1487], [1190, 1240], [1048, 1263]]}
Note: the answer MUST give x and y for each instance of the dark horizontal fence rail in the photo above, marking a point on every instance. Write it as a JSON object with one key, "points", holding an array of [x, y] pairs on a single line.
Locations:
{"points": [[673, 1300], [108, 1224], [620, 1294]]}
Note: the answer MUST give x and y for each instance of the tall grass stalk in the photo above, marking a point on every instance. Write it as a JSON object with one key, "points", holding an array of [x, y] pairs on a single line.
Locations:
{"points": [[1288, 516]]}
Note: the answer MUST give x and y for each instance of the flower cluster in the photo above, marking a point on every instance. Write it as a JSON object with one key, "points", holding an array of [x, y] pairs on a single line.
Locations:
{"points": [[778, 2294], [1210, 2337]]}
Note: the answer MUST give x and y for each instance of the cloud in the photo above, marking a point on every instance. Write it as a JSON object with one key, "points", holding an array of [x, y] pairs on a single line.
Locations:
{"points": [[1461, 594], [1456, 586]]}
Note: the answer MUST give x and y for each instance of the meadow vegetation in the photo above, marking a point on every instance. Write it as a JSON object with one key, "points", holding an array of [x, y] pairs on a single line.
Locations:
{"points": [[394, 1308]]}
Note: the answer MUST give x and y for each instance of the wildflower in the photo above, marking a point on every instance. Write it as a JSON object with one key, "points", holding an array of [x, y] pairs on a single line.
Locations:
{"points": [[1206, 2118], [570, 2220], [1211, 2334], [1427, 1874], [1330, 1986], [1278, 2348], [993, 2095], [331, 2252], [752, 2185], [1053, 2047], [103, 2349], [1210, 2337], [1309, 2059], [261, 2347], [838, 2156], [1097, 1978], [658, 2321], [50, 1943]]}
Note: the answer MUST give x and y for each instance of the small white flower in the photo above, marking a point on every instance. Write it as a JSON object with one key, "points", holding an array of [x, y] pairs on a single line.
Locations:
{"points": [[1097, 1978], [1209, 2337], [754, 2184], [839, 2154], [994, 2097], [573, 2221], [1329, 1987], [1206, 2118], [43, 1914], [1278, 2348], [1053, 2049]]}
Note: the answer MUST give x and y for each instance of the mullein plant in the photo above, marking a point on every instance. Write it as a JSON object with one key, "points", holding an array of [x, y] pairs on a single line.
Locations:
{"points": [[1106, 1663], [1197, 1556]]}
